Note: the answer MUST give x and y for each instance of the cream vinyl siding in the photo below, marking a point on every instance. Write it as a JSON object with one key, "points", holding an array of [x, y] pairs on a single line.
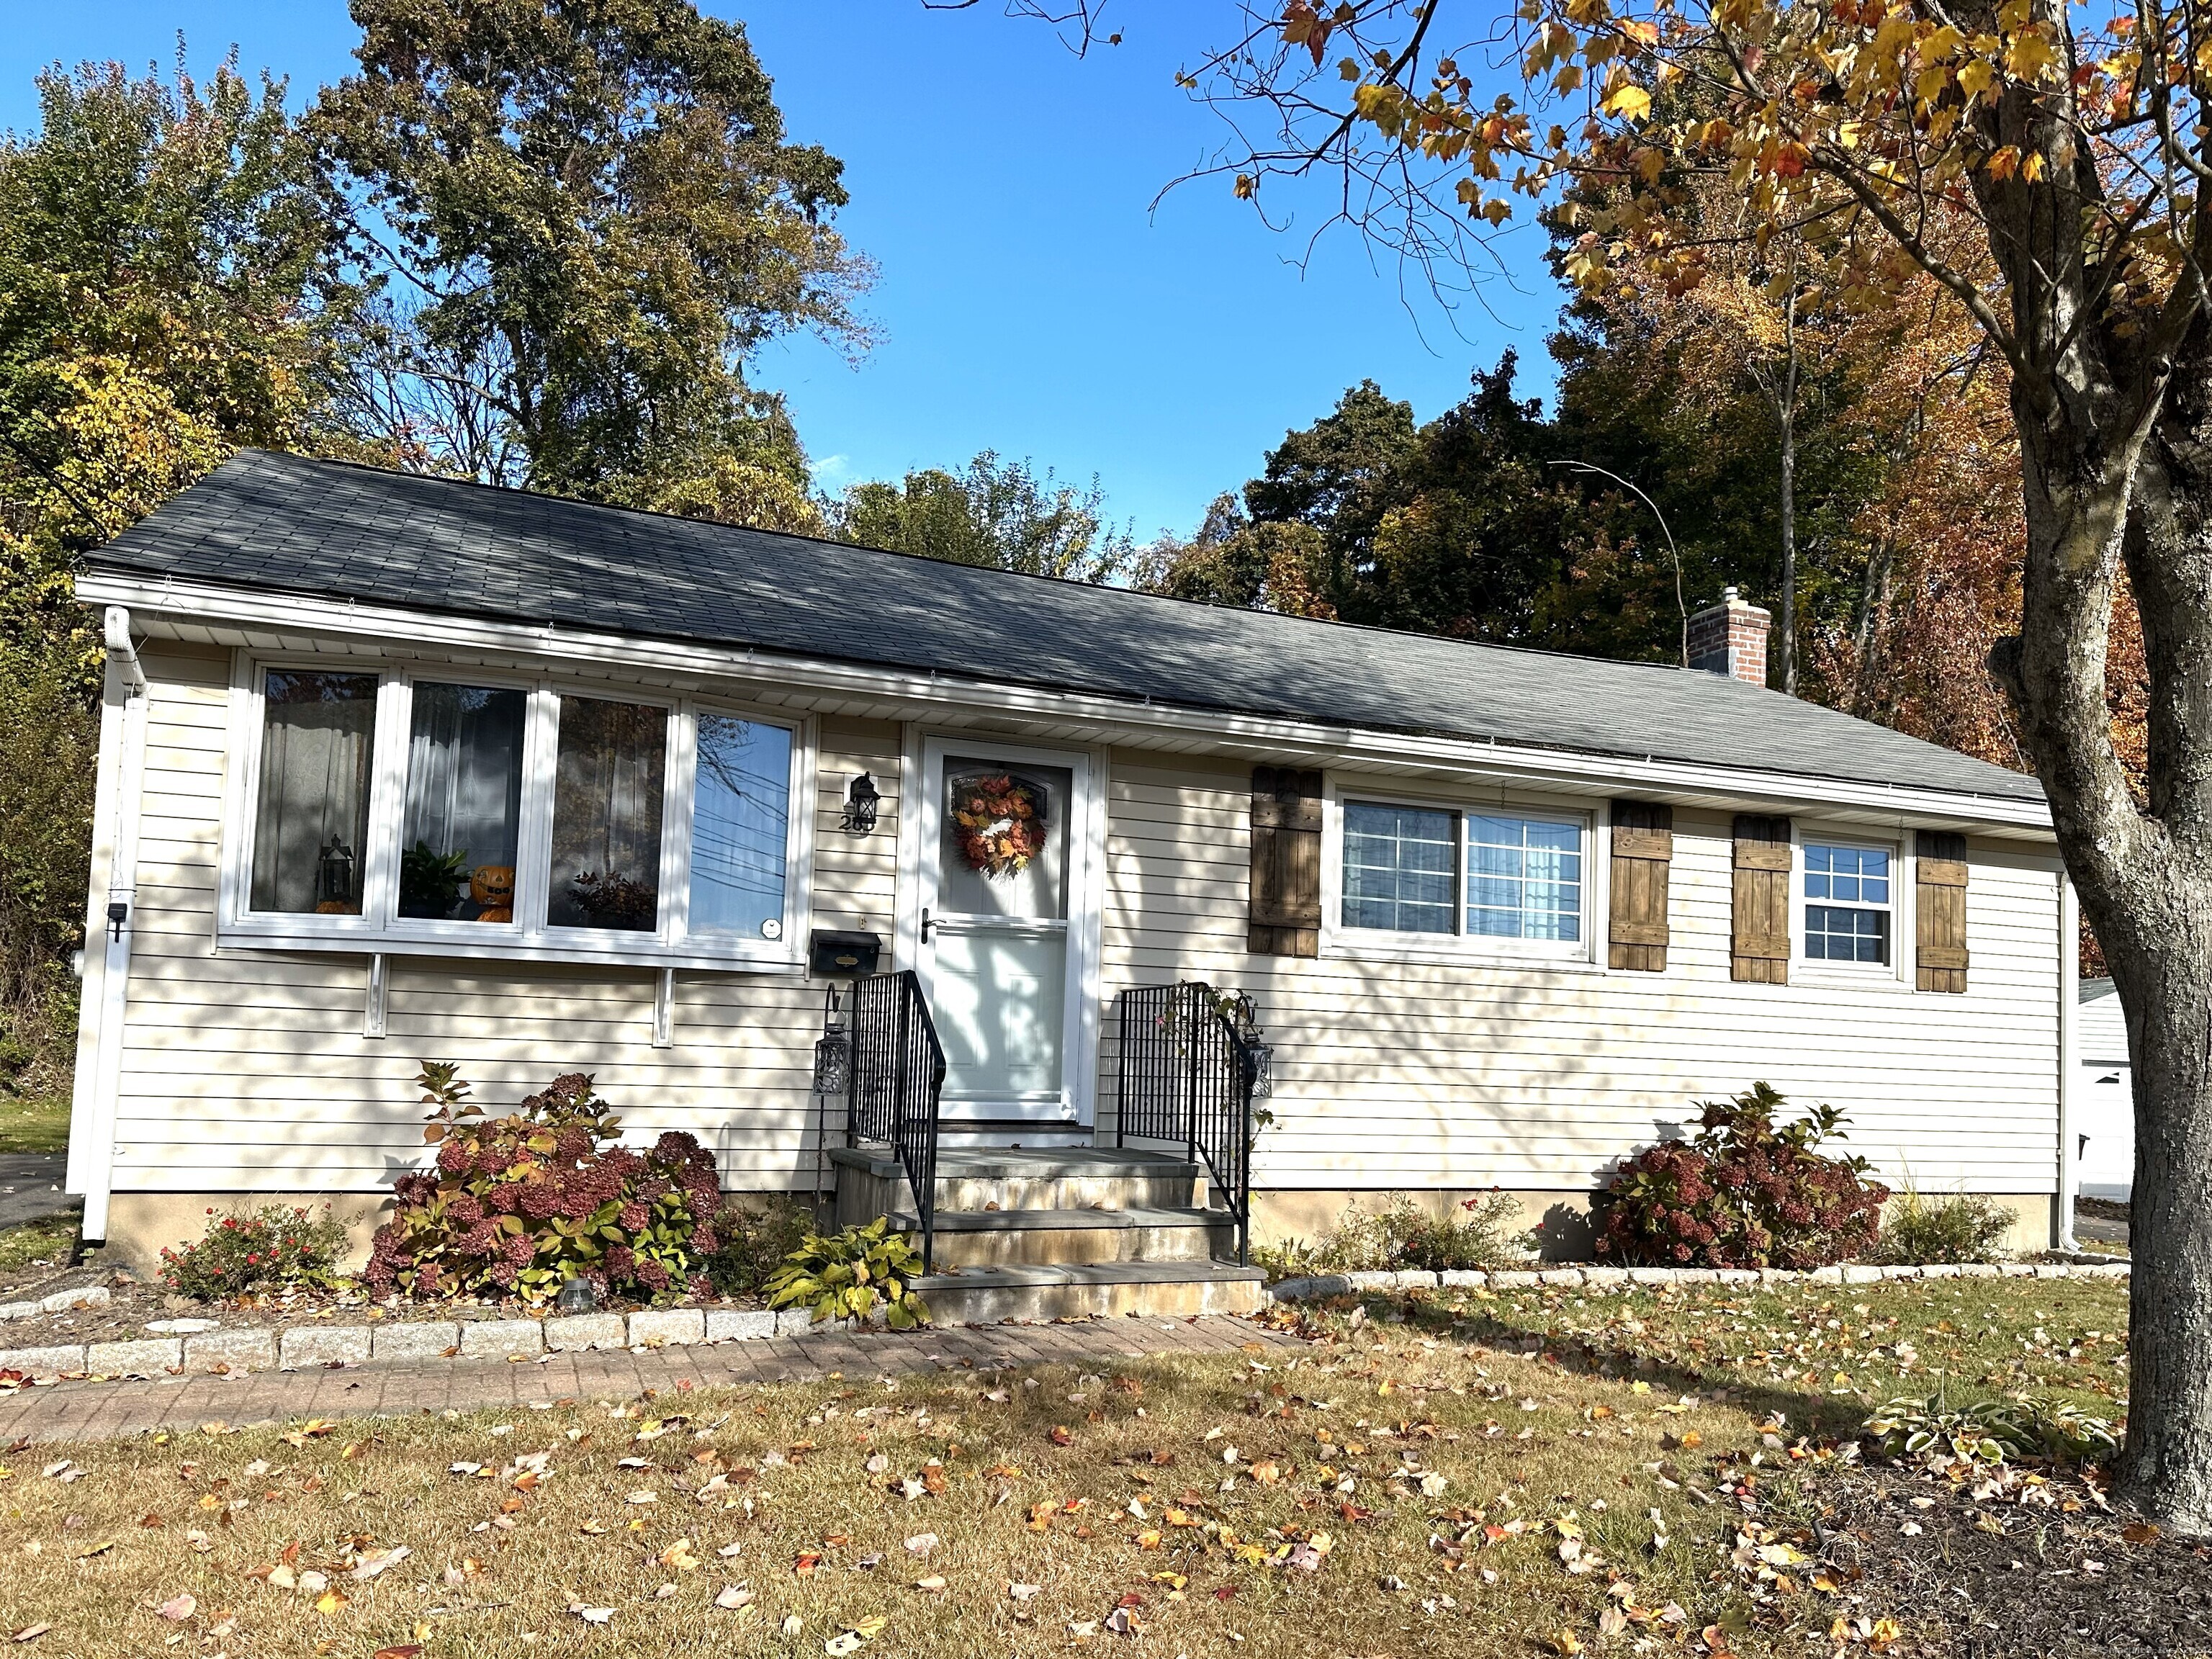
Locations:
{"points": [[1523, 1075], [247, 1070]]}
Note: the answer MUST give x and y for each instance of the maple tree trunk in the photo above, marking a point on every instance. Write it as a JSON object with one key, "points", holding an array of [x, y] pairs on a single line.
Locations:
{"points": [[2162, 925], [2143, 869]]}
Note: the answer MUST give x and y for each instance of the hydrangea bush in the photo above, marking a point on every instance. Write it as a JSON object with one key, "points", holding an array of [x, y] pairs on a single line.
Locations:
{"points": [[1744, 1193], [521, 1204]]}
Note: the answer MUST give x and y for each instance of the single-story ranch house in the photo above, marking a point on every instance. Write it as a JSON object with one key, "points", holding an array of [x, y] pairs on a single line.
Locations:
{"points": [[397, 767]]}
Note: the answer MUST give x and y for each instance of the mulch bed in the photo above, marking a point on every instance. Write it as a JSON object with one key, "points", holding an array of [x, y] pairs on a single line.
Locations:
{"points": [[2039, 1567]]}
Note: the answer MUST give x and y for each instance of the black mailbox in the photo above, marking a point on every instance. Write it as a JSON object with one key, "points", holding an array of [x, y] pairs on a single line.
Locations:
{"points": [[834, 955]]}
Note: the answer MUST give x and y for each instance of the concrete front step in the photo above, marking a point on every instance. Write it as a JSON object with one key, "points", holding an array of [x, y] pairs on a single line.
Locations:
{"points": [[1166, 1289], [871, 1182], [979, 1238]]}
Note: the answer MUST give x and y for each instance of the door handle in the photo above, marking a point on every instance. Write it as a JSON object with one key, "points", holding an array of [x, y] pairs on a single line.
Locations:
{"points": [[924, 923]]}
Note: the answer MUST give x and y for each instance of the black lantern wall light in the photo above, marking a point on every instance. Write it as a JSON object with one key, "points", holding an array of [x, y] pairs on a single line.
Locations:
{"points": [[861, 800]]}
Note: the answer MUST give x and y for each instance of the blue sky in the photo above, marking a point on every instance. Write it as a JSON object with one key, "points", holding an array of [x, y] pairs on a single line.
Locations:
{"points": [[1031, 298]]}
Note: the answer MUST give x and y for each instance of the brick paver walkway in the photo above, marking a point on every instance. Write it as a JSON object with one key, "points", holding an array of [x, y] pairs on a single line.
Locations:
{"points": [[98, 1411]]}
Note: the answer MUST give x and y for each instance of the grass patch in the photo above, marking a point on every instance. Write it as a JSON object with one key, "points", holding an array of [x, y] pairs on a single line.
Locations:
{"points": [[44, 1242], [1448, 1490], [37, 1122]]}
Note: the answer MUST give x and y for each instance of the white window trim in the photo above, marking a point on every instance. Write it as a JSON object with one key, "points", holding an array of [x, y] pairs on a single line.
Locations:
{"points": [[1585, 955], [1899, 968], [529, 939]]}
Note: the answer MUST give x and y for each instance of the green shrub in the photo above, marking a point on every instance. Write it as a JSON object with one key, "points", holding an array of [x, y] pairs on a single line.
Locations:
{"points": [[847, 1274], [521, 1204], [1744, 1193], [1962, 1227], [1402, 1236], [1992, 1430], [754, 1242], [274, 1248]]}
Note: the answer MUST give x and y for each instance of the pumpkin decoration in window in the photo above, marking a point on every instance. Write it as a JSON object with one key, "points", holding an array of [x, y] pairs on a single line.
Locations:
{"points": [[491, 888], [1000, 821]]}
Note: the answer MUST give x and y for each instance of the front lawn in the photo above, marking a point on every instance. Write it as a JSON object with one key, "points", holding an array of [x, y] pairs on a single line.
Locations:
{"points": [[35, 1122], [1540, 1472]]}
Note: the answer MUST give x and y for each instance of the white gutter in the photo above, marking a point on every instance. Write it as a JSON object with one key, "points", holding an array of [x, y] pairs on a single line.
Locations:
{"points": [[2069, 1013], [110, 921], [215, 603]]}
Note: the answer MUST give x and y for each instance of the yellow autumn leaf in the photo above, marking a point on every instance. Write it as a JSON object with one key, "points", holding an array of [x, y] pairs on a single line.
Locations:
{"points": [[1629, 102], [328, 1601]]}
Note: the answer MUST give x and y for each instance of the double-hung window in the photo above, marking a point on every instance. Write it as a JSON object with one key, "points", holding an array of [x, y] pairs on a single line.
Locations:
{"points": [[1492, 879], [514, 817], [1848, 903]]}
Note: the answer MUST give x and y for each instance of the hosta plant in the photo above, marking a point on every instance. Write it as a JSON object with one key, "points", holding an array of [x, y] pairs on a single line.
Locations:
{"points": [[521, 1204], [1744, 1192], [848, 1274], [1991, 1431]]}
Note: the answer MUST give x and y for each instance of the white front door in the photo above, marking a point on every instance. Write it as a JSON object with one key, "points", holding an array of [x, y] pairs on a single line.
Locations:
{"points": [[1004, 893]]}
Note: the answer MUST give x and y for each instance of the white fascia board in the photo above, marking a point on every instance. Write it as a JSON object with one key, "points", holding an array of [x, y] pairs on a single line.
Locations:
{"points": [[926, 690]]}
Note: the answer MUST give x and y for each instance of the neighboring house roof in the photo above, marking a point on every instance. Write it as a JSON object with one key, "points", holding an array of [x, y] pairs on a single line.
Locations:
{"points": [[329, 529], [2091, 990]]}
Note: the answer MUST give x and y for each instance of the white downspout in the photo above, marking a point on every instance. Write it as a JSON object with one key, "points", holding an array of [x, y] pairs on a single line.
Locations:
{"points": [[2070, 1010], [109, 919]]}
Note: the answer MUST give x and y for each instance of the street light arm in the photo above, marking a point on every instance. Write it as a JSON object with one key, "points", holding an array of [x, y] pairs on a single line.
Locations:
{"points": [[1674, 553]]}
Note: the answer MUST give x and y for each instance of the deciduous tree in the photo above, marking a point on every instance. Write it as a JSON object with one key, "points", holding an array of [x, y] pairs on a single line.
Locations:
{"points": [[992, 512], [583, 217]]}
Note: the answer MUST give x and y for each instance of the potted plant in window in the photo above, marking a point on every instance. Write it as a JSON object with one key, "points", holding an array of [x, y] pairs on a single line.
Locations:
{"points": [[430, 882]]}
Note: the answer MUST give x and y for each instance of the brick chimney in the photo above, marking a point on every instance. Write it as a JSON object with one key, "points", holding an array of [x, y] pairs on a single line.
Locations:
{"points": [[1731, 638]]}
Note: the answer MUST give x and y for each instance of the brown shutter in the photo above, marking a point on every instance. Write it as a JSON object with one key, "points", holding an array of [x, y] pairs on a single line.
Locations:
{"points": [[1759, 950], [1285, 862], [1939, 908], [1643, 850]]}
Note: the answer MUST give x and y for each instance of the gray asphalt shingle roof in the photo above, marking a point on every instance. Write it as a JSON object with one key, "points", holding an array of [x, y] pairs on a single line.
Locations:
{"points": [[281, 522]]}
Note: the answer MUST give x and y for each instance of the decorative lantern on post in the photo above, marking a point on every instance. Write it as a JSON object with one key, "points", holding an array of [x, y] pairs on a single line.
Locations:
{"points": [[833, 1054]]}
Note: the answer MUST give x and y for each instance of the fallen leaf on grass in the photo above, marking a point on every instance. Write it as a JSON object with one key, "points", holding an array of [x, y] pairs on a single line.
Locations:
{"points": [[179, 1608], [806, 1563], [933, 1583], [734, 1596], [369, 1565], [1023, 1592], [590, 1615], [410, 1651], [921, 1543], [30, 1633], [792, 1624], [328, 1601], [2140, 1532]]}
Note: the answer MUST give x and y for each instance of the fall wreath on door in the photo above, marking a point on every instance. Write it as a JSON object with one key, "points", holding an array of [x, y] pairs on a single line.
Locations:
{"points": [[1000, 821]]}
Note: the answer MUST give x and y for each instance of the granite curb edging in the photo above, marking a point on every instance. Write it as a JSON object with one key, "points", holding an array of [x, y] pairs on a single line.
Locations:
{"points": [[1320, 1287], [325, 1346]]}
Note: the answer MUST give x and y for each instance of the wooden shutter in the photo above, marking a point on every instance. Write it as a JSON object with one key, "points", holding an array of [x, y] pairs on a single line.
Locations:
{"points": [[1759, 950], [1939, 909], [1643, 850], [1285, 862]]}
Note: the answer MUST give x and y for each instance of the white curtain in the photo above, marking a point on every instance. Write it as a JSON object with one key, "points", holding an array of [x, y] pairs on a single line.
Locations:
{"points": [[318, 735], [463, 780], [608, 785]]}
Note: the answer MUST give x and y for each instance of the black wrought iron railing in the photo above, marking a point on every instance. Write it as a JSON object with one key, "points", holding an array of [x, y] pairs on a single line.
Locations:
{"points": [[1187, 1075], [896, 1082]]}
